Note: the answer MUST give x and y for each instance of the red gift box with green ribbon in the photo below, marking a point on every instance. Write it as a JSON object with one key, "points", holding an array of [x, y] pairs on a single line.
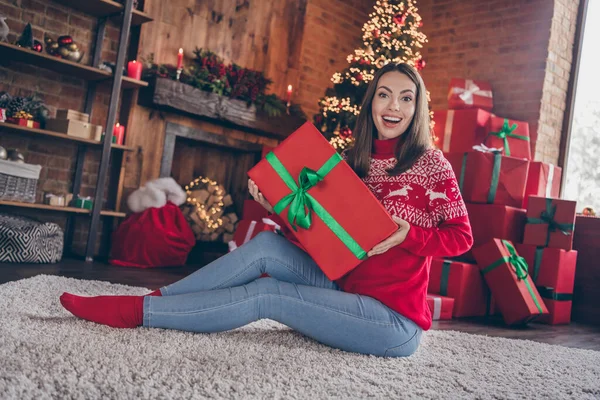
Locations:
{"points": [[550, 223], [335, 216], [543, 180], [440, 307], [462, 282], [486, 176], [459, 130], [510, 135], [553, 272], [507, 276]]}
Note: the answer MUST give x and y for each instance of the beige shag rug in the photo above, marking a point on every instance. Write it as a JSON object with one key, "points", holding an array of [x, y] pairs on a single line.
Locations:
{"points": [[47, 353]]}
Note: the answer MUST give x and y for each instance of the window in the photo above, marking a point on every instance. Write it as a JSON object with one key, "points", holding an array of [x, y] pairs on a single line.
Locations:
{"points": [[582, 173]]}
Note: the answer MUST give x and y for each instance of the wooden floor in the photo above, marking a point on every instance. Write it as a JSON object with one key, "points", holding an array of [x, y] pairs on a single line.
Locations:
{"points": [[573, 335]]}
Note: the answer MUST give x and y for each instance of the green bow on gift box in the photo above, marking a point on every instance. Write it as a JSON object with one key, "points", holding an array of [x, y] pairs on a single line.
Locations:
{"points": [[507, 132], [302, 204], [520, 268], [547, 217]]}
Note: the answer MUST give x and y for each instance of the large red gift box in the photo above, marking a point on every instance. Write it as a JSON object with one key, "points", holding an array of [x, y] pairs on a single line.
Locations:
{"points": [[550, 223], [462, 282], [553, 272], [510, 135], [468, 93], [459, 130], [489, 221], [506, 274], [440, 306], [247, 229], [543, 180], [346, 220], [489, 177]]}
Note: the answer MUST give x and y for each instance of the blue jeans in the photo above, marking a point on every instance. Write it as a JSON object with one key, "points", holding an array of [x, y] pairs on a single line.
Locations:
{"points": [[228, 294]]}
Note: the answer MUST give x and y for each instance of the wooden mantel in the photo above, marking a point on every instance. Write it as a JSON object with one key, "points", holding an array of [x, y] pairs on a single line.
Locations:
{"points": [[174, 96]]}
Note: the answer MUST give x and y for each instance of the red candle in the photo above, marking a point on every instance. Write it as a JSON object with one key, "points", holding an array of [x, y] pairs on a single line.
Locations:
{"points": [[180, 59], [134, 70], [289, 93], [119, 133]]}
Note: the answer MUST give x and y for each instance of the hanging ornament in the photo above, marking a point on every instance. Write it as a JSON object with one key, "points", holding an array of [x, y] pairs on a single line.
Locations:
{"points": [[359, 77], [400, 19], [345, 132], [420, 64], [420, 24], [37, 46], [375, 33], [364, 61]]}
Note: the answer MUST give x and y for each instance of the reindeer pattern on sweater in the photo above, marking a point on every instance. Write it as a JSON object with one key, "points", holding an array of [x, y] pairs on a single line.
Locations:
{"points": [[425, 195]]}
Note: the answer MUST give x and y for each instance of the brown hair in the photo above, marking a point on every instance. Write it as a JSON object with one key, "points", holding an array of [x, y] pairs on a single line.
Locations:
{"points": [[413, 143]]}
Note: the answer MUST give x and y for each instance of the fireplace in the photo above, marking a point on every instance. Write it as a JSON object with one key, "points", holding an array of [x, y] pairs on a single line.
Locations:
{"points": [[190, 152]]}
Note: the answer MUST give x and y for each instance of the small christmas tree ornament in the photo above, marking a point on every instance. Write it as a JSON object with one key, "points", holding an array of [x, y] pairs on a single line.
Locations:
{"points": [[26, 38]]}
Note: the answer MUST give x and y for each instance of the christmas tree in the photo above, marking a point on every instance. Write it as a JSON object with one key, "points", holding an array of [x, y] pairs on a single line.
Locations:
{"points": [[391, 35]]}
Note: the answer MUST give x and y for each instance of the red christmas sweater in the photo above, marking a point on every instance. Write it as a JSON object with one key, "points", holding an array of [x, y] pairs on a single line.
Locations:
{"points": [[428, 197]]}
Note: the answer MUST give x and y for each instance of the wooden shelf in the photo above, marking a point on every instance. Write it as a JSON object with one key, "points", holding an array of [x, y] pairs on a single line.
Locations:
{"points": [[130, 83], [105, 8], [16, 53], [42, 132], [72, 210]]}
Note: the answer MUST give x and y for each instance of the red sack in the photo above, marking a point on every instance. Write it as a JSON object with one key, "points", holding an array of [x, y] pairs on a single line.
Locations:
{"points": [[155, 237]]}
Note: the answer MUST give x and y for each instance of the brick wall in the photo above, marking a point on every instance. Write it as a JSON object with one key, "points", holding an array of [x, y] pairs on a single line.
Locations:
{"points": [[556, 79], [508, 43], [332, 31], [57, 158]]}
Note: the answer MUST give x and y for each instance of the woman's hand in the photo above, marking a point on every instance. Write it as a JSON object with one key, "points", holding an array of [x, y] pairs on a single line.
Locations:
{"points": [[258, 197], [394, 240]]}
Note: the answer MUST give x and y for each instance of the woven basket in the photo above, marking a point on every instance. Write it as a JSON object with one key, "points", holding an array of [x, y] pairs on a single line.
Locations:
{"points": [[18, 181]]}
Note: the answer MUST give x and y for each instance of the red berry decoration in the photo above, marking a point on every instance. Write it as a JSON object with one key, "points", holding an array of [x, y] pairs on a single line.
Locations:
{"points": [[400, 19], [64, 40], [345, 132], [420, 64], [37, 46]]}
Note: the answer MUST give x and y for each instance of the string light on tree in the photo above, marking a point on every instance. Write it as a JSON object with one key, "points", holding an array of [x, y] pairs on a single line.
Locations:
{"points": [[390, 36]]}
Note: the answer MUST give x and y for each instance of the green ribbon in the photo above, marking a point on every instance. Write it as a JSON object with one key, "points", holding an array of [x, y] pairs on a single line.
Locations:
{"points": [[507, 132], [495, 175], [520, 267], [550, 294], [547, 217], [302, 204], [445, 277], [537, 262]]}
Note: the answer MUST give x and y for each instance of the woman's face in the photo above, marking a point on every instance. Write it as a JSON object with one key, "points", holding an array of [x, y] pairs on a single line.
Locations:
{"points": [[393, 106]]}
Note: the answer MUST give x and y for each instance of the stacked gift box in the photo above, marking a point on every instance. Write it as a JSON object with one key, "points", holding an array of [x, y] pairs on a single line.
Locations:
{"points": [[522, 264], [255, 219]]}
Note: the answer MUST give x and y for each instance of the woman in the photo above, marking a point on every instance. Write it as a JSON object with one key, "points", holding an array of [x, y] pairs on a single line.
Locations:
{"points": [[378, 308]]}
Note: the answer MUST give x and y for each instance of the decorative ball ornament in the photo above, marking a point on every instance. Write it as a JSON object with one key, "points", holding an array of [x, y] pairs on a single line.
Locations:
{"points": [[589, 212], [16, 156], [375, 33], [3, 153], [359, 77], [420, 64], [345, 132], [64, 40], [37, 46], [420, 24], [400, 19]]}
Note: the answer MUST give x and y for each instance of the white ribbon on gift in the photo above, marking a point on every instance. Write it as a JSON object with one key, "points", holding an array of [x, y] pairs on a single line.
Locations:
{"points": [[437, 307], [484, 149], [251, 228], [470, 89], [550, 180], [448, 131]]}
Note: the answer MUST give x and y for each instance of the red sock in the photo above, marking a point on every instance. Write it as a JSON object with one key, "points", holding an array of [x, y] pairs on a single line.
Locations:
{"points": [[115, 311], [155, 293]]}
